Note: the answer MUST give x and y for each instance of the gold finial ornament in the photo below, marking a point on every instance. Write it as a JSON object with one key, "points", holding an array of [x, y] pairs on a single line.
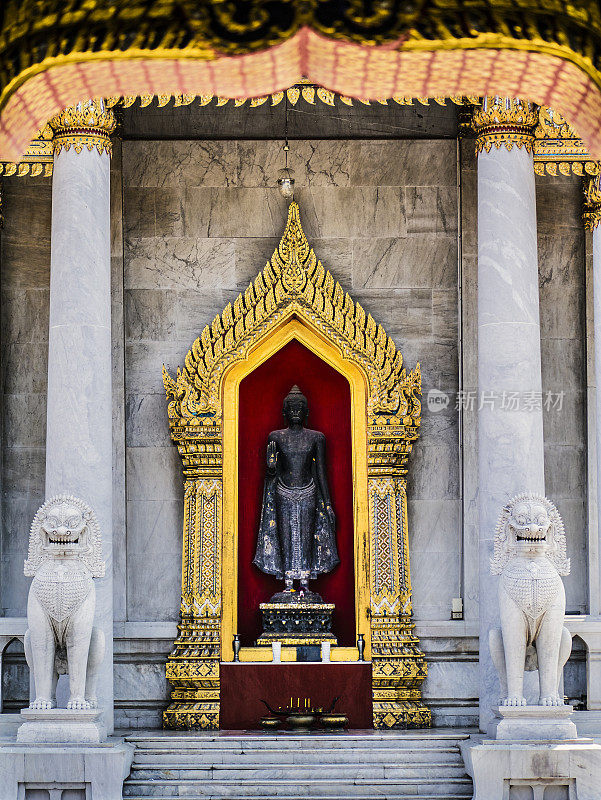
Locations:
{"points": [[504, 122], [591, 214], [88, 124]]}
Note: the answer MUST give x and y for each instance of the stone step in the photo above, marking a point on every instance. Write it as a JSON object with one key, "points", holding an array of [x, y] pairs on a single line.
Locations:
{"points": [[290, 790], [292, 742], [258, 772], [300, 756], [364, 796]]}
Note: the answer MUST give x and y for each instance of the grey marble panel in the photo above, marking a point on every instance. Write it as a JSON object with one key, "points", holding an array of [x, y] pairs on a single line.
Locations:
{"points": [[315, 163], [177, 163], [142, 681], [27, 210], [15, 587], [561, 259], [234, 212], [147, 423], [406, 314], [25, 314], [564, 420], [178, 262], [116, 202], [24, 420], [154, 526], [154, 474], [360, 211], [403, 163], [558, 203], [419, 261], [469, 197], [150, 313], [144, 360], [564, 471], [24, 470], [435, 581], [18, 511], [431, 209], [194, 310], [25, 367], [573, 514], [305, 121], [24, 264], [445, 315], [438, 360], [151, 211], [434, 525], [452, 680], [434, 473], [118, 391], [562, 363], [139, 211]]}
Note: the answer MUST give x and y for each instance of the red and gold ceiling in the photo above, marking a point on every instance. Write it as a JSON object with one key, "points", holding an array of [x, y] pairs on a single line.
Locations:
{"points": [[54, 53]]}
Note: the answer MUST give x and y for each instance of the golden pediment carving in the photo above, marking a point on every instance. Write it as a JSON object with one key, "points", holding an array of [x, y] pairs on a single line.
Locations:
{"points": [[294, 282]]}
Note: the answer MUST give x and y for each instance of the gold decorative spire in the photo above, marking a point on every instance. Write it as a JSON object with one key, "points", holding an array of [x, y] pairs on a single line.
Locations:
{"points": [[294, 278], [504, 122], [88, 124]]}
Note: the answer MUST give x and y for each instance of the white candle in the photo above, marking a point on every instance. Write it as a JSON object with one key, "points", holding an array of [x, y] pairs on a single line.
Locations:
{"points": [[325, 651], [276, 652]]}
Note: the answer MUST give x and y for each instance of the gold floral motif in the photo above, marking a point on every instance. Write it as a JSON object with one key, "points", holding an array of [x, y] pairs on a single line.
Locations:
{"points": [[504, 122], [294, 296], [591, 214], [88, 124], [558, 150]]}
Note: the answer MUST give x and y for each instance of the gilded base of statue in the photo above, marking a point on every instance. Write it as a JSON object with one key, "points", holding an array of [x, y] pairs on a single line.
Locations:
{"points": [[294, 622]]}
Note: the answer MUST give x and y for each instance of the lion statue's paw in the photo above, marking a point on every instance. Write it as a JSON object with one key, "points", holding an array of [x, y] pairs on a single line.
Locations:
{"points": [[41, 704], [551, 700], [78, 704], [514, 701]]}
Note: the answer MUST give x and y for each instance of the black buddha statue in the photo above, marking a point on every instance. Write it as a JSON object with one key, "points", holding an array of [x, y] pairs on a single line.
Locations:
{"points": [[297, 540]]}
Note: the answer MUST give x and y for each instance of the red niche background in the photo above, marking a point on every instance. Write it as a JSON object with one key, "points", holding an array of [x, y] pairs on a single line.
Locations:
{"points": [[261, 396]]}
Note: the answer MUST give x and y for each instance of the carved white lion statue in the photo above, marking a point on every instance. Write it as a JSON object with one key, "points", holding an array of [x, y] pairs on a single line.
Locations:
{"points": [[530, 556], [64, 557]]}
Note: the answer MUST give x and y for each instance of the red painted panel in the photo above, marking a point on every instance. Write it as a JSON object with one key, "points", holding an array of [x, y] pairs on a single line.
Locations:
{"points": [[244, 685], [261, 396]]}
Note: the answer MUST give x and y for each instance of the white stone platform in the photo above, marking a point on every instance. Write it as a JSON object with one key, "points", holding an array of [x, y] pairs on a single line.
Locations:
{"points": [[536, 748], [536, 722], [61, 726], [96, 771]]}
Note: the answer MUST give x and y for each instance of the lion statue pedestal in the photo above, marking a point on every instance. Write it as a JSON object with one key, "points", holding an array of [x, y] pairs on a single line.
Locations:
{"points": [[536, 746]]}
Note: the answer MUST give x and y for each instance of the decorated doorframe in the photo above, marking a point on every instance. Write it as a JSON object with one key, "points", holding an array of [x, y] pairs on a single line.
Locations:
{"points": [[294, 297]]}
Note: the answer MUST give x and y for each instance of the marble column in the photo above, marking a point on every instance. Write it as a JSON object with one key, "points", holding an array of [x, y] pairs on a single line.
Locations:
{"points": [[510, 421], [79, 410], [592, 221]]}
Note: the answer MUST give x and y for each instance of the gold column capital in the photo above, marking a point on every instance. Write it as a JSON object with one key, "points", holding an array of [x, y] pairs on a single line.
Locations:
{"points": [[591, 213], [504, 121], [87, 124]]}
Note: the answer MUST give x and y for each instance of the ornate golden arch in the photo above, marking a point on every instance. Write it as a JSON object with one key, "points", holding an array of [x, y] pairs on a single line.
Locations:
{"points": [[294, 297]]}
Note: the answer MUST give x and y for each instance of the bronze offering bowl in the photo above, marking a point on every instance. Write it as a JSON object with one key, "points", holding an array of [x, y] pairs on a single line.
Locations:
{"points": [[270, 723], [301, 720], [334, 722]]}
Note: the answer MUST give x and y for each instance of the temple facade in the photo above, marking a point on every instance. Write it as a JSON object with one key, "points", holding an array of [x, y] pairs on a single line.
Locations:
{"points": [[425, 272]]}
